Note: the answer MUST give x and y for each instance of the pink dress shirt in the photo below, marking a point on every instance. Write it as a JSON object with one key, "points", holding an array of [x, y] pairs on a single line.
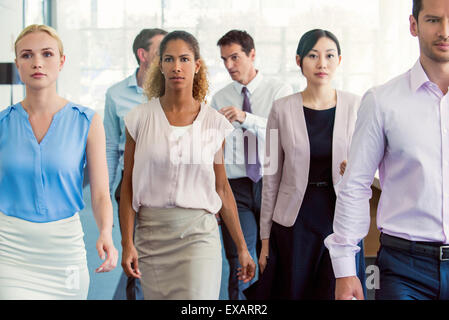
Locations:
{"points": [[172, 170], [402, 129]]}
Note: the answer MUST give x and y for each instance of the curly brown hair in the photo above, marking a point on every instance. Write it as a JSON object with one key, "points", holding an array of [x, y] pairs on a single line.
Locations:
{"points": [[154, 85]]}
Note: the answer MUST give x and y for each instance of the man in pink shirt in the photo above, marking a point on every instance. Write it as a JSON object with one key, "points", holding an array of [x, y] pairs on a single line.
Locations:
{"points": [[402, 129]]}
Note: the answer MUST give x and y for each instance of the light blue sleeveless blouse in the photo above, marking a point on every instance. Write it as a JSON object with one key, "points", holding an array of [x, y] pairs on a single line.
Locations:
{"points": [[43, 182]]}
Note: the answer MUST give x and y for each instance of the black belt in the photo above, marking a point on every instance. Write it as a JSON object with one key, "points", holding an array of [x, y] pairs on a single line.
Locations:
{"points": [[319, 184], [429, 249]]}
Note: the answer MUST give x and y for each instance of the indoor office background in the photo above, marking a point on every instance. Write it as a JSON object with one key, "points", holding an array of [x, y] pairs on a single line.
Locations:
{"points": [[98, 35]]}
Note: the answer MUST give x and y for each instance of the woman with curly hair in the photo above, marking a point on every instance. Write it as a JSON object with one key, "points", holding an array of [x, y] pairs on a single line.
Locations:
{"points": [[175, 180]]}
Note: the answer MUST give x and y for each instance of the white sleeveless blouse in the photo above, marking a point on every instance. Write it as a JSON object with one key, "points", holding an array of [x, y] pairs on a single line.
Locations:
{"points": [[172, 169]]}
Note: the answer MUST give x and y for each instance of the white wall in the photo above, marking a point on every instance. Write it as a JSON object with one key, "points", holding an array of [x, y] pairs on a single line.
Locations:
{"points": [[98, 34]]}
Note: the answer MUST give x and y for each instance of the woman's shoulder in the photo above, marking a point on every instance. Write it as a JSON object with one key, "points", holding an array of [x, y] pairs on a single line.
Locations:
{"points": [[289, 98], [349, 97], [280, 105], [211, 113], [214, 117], [87, 112], [6, 112], [348, 103], [145, 108]]}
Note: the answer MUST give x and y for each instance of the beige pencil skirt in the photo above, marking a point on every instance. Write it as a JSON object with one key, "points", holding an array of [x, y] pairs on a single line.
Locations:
{"points": [[42, 261], [179, 254]]}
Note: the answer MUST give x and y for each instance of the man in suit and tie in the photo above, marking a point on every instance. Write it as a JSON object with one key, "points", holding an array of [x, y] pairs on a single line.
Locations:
{"points": [[246, 103]]}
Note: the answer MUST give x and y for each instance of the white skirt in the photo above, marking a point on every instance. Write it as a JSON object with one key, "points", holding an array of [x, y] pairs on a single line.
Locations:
{"points": [[44, 261], [179, 254]]}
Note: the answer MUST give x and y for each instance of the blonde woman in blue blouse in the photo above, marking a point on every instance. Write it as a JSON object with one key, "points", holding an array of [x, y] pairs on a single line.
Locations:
{"points": [[45, 142]]}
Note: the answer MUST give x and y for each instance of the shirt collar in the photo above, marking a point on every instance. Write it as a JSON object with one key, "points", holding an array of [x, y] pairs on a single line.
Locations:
{"points": [[132, 81], [251, 86], [418, 77]]}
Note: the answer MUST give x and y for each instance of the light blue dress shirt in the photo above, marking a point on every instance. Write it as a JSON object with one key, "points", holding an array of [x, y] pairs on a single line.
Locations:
{"points": [[120, 99], [42, 182]]}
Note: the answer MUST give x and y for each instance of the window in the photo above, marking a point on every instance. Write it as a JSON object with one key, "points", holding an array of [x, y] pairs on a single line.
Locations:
{"points": [[11, 23], [98, 35]]}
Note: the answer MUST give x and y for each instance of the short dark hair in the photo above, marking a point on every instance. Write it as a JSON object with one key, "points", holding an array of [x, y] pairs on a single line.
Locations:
{"points": [[239, 37], [143, 40], [310, 38], [417, 7]]}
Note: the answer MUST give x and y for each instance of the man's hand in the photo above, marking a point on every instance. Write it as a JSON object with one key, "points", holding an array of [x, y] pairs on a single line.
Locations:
{"points": [[233, 114], [348, 288]]}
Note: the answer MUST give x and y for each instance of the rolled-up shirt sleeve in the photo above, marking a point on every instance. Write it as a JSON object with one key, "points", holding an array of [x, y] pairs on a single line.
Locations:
{"points": [[352, 210]]}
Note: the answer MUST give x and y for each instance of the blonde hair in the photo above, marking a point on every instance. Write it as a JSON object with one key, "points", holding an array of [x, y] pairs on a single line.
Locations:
{"points": [[40, 28], [154, 85]]}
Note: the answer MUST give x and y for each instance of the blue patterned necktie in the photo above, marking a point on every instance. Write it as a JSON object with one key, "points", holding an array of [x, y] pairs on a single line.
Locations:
{"points": [[253, 170]]}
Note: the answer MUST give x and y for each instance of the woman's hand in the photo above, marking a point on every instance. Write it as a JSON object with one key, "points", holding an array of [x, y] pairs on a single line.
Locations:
{"points": [[106, 250], [130, 263], [248, 268], [263, 255]]}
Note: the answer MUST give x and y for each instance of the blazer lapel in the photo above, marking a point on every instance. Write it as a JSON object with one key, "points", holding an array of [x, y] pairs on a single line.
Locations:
{"points": [[302, 154], [301, 134]]}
